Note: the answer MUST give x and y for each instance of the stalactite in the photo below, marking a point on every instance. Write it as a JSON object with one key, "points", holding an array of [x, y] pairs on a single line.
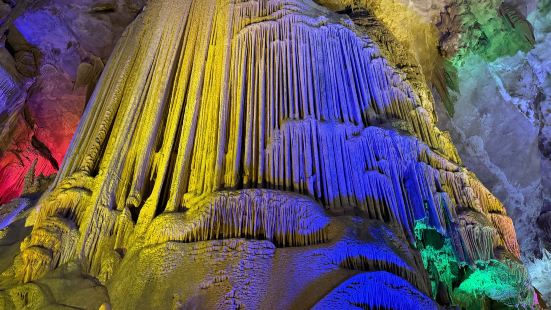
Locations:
{"points": [[283, 218], [205, 96], [123, 230], [67, 200], [98, 238], [49, 246], [504, 226], [478, 238], [37, 261]]}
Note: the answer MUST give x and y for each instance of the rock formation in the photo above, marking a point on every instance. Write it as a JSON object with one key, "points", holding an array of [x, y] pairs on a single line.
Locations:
{"points": [[262, 154], [49, 63], [516, 85]]}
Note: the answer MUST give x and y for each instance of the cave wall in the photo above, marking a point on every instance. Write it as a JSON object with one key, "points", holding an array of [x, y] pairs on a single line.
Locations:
{"points": [[504, 136]]}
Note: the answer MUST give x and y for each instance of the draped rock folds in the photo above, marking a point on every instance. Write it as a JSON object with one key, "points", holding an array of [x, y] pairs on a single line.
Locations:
{"points": [[203, 101], [285, 219]]}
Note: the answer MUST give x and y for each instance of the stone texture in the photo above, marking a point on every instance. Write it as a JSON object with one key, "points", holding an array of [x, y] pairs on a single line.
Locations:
{"points": [[477, 123], [254, 274], [211, 120], [41, 101], [501, 128]]}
